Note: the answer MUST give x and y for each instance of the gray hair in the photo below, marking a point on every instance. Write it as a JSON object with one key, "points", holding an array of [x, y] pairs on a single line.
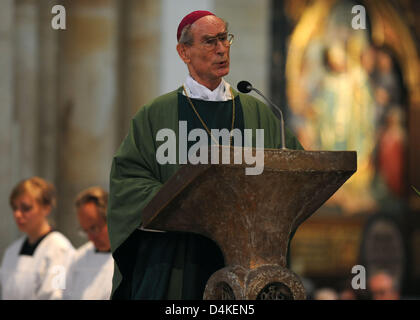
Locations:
{"points": [[187, 37]]}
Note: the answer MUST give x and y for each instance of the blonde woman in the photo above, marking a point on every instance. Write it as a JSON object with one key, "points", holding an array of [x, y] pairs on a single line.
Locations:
{"points": [[34, 266]]}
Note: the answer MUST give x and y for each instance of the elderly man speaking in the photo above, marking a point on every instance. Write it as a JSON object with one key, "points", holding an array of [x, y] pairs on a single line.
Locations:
{"points": [[174, 265]]}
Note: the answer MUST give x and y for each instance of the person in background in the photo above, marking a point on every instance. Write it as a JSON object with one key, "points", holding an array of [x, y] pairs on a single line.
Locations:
{"points": [[90, 274], [34, 266], [325, 294], [382, 286], [346, 292]]}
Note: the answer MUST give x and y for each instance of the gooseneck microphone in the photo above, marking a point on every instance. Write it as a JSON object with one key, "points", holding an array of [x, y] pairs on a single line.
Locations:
{"points": [[246, 87]]}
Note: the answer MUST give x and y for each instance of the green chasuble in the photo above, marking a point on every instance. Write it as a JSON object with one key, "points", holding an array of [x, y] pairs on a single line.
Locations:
{"points": [[169, 265]]}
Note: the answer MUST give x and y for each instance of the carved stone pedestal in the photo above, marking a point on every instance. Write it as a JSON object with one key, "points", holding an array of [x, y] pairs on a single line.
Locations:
{"points": [[267, 282], [250, 217]]}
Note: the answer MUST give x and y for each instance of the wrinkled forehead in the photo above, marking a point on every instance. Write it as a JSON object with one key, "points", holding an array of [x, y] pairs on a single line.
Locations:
{"points": [[208, 26]]}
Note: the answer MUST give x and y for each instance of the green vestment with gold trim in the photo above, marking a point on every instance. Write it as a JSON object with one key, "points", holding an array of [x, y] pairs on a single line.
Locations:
{"points": [[152, 265]]}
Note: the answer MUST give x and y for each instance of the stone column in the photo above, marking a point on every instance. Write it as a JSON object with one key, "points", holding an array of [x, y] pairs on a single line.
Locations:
{"points": [[139, 60], [26, 88], [8, 229], [48, 99], [88, 62]]}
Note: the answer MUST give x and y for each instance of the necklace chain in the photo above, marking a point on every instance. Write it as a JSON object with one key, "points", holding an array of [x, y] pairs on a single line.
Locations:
{"points": [[203, 123]]}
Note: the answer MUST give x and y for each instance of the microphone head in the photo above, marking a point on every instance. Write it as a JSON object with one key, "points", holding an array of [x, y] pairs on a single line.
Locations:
{"points": [[244, 86]]}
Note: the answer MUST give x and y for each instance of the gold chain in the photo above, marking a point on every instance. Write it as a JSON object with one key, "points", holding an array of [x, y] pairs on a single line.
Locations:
{"points": [[202, 122]]}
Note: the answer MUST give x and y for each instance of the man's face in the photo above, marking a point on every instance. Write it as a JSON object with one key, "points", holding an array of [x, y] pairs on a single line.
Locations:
{"points": [[206, 65], [94, 225]]}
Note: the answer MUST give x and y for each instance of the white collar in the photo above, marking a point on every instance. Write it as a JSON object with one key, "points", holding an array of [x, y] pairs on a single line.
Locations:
{"points": [[196, 90]]}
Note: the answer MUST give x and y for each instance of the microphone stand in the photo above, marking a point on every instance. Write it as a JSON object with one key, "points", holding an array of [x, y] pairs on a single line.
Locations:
{"points": [[283, 142]]}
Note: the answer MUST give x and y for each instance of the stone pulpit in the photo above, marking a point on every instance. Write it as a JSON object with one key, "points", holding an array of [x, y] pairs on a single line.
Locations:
{"points": [[250, 217]]}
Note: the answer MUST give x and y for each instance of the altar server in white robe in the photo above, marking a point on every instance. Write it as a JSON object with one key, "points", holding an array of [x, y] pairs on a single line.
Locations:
{"points": [[90, 275], [34, 266]]}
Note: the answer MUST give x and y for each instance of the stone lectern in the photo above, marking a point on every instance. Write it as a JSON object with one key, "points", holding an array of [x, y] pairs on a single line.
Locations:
{"points": [[250, 217]]}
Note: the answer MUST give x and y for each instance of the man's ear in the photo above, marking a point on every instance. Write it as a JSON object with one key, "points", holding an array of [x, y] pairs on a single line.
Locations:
{"points": [[183, 52]]}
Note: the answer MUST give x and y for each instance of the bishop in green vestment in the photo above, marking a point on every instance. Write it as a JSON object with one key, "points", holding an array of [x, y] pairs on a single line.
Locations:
{"points": [[175, 265]]}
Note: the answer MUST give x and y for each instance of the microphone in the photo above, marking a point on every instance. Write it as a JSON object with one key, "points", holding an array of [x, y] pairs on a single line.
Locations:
{"points": [[246, 87]]}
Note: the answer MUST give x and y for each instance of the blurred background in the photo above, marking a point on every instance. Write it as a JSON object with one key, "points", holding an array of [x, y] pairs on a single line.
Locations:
{"points": [[67, 96]]}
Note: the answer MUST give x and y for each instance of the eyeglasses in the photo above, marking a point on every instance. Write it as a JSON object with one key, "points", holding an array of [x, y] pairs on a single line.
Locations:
{"points": [[211, 42]]}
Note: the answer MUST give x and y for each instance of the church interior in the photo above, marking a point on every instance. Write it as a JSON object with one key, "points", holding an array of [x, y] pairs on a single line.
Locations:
{"points": [[345, 73]]}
